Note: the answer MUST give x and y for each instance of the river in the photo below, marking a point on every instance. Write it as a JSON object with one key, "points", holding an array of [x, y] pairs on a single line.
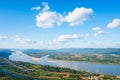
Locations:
{"points": [[112, 69]]}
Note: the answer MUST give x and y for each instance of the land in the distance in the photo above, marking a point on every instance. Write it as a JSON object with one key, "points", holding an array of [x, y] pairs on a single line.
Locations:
{"points": [[107, 55], [10, 70], [15, 70]]}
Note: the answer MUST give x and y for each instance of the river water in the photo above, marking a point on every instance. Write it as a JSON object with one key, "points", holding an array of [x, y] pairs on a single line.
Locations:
{"points": [[112, 69]]}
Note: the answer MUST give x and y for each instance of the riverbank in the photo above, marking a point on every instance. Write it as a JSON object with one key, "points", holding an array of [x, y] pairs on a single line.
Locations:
{"points": [[109, 69], [37, 71]]}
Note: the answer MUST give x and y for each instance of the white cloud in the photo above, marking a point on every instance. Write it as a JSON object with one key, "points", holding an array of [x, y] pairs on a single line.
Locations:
{"points": [[46, 7], [3, 37], [62, 40], [24, 41], [114, 24], [59, 41], [67, 38], [98, 31], [36, 8], [96, 28], [48, 19], [78, 16]]}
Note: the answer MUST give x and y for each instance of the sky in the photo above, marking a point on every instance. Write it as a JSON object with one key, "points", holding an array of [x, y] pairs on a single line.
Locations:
{"points": [[52, 24]]}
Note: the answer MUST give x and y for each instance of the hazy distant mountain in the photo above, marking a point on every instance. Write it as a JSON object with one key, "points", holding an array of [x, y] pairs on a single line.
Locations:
{"points": [[76, 50]]}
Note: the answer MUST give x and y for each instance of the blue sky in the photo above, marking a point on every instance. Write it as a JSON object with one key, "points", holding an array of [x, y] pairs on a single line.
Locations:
{"points": [[59, 24]]}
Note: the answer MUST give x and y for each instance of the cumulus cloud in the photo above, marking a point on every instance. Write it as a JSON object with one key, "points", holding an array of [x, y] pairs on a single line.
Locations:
{"points": [[78, 16], [3, 37], [36, 8], [96, 28], [24, 41], [114, 24], [62, 40], [59, 41], [46, 7], [48, 19], [98, 31], [67, 38]]}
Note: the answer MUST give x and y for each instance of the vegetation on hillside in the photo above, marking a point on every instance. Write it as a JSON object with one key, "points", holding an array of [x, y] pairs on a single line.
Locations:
{"points": [[100, 55], [11, 70]]}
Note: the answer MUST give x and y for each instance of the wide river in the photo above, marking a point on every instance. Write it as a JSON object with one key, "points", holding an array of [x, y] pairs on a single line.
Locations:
{"points": [[112, 69]]}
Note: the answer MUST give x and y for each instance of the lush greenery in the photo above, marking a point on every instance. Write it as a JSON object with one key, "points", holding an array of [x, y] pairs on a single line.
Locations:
{"points": [[100, 55], [12, 70], [26, 71], [99, 58]]}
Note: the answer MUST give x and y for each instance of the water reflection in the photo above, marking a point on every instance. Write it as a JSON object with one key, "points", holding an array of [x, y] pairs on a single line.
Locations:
{"points": [[84, 66]]}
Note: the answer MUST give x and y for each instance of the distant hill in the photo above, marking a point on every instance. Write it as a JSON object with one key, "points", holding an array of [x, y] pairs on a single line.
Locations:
{"points": [[64, 51], [91, 50], [75, 50]]}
